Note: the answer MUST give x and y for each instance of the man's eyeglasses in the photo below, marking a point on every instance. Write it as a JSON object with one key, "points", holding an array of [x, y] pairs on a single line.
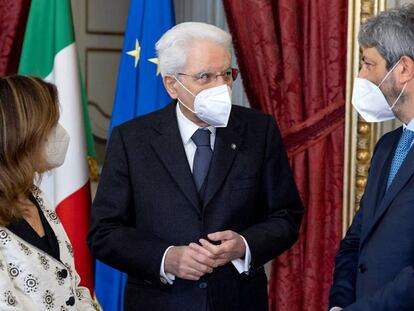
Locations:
{"points": [[208, 77]]}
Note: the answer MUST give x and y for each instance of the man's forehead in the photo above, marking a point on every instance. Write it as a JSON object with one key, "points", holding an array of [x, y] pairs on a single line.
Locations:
{"points": [[207, 57]]}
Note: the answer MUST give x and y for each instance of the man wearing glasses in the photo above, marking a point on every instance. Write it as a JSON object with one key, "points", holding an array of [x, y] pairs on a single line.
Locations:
{"points": [[195, 198]]}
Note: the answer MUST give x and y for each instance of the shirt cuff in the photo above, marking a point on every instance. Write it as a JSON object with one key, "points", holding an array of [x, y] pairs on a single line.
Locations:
{"points": [[165, 275], [243, 265], [336, 309]]}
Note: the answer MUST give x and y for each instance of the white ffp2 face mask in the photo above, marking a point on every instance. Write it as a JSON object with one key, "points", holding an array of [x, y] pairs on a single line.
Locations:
{"points": [[212, 105], [56, 147], [370, 102]]}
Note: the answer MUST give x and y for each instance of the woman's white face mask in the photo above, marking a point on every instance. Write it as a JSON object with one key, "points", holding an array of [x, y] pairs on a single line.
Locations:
{"points": [[212, 105], [56, 147]]}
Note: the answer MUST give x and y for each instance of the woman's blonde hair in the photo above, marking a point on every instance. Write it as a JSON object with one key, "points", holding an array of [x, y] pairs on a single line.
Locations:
{"points": [[29, 110]]}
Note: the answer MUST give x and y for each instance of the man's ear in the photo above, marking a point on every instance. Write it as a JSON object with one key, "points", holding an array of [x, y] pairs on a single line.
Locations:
{"points": [[170, 84], [405, 71]]}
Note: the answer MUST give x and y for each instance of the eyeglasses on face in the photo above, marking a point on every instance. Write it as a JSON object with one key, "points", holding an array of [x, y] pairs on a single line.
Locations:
{"points": [[208, 77]]}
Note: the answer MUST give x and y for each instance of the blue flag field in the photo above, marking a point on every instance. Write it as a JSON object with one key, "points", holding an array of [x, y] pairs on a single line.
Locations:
{"points": [[139, 91]]}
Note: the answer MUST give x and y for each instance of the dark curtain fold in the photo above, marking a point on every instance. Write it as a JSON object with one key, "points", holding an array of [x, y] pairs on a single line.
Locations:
{"points": [[292, 57], [13, 19]]}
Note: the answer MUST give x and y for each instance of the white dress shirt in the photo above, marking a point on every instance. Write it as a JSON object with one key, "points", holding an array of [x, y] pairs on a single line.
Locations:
{"points": [[187, 129]]}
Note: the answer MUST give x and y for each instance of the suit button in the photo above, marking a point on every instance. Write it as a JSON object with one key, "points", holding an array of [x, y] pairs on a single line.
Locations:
{"points": [[362, 268], [202, 285], [63, 274], [70, 301]]}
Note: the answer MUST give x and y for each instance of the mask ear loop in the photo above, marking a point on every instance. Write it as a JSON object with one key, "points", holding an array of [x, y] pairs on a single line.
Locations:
{"points": [[179, 82], [388, 73], [402, 91]]}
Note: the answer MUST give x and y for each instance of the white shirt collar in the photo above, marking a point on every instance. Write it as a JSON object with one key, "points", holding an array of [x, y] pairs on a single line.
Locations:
{"points": [[409, 126], [187, 127]]}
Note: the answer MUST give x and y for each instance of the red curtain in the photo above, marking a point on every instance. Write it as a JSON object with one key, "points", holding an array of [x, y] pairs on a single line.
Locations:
{"points": [[292, 57], [13, 18]]}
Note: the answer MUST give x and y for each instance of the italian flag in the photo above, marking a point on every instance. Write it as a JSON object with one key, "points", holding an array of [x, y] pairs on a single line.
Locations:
{"points": [[49, 52]]}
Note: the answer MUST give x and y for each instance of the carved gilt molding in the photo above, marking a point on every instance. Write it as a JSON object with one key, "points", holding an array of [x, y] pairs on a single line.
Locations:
{"points": [[360, 136]]}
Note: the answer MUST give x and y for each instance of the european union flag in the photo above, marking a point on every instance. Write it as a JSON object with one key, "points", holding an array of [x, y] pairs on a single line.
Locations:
{"points": [[139, 91]]}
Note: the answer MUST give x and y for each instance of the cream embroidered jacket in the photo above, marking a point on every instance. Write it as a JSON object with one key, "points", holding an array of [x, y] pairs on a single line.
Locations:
{"points": [[32, 280]]}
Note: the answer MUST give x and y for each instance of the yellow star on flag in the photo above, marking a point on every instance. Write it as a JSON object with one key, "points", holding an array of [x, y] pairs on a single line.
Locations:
{"points": [[157, 62], [135, 52]]}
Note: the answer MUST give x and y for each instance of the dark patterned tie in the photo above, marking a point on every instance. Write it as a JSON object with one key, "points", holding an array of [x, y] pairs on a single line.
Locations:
{"points": [[401, 152], [202, 157]]}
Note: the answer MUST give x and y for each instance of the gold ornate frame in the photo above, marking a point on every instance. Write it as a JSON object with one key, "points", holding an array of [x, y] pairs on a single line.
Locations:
{"points": [[360, 136]]}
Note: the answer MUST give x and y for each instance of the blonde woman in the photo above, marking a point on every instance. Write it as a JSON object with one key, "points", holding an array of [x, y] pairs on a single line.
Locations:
{"points": [[36, 261]]}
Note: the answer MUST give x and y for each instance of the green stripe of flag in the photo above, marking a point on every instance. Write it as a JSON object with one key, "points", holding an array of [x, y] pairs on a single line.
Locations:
{"points": [[49, 30], [90, 144]]}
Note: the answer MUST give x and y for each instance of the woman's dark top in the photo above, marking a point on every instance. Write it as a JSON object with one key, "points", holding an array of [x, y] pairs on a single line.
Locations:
{"points": [[48, 243]]}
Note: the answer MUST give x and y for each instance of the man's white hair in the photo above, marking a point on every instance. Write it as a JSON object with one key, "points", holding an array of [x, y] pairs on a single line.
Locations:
{"points": [[173, 45]]}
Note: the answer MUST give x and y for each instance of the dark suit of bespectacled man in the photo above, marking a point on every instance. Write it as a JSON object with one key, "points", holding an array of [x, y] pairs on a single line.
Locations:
{"points": [[195, 198]]}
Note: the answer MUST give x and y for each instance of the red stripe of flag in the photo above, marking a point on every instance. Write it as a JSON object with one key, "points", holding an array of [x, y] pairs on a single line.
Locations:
{"points": [[74, 212]]}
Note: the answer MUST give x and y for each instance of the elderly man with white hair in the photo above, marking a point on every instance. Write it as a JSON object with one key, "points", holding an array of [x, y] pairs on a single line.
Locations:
{"points": [[195, 198]]}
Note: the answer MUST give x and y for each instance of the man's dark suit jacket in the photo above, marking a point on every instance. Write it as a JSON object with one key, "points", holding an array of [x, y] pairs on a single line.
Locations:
{"points": [[374, 266], [147, 201]]}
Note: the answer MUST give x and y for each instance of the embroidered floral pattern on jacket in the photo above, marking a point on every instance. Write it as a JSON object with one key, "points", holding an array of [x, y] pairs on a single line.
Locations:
{"points": [[51, 216], [69, 268], [9, 298], [38, 196], [4, 237], [44, 261], [25, 249], [69, 247], [48, 300], [13, 270], [59, 277], [30, 283]]}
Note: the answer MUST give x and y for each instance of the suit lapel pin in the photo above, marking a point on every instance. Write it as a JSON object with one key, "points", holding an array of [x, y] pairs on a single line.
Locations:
{"points": [[233, 146]]}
